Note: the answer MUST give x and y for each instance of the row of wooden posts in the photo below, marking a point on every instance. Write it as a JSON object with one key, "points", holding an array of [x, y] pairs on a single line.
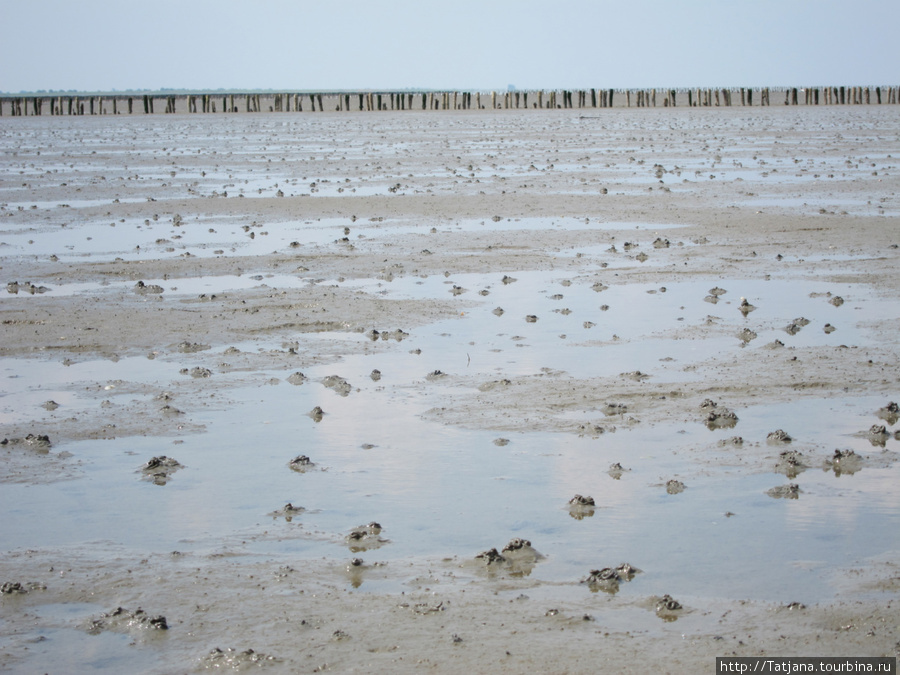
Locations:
{"points": [[17, 106]]}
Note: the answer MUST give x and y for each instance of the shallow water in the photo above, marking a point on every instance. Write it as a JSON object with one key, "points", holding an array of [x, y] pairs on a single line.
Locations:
{"points": [[449, 492], [441, 491]]}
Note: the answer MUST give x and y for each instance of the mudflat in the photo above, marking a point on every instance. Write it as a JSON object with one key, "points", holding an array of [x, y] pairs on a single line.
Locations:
{"points": [[449, 391]]}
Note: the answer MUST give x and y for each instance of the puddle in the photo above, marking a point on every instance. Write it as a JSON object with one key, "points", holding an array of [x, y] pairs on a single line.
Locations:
{"points": [[68, 648], [441, 491]]}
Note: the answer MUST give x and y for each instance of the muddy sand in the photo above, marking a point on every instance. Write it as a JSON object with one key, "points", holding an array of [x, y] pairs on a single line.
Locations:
{"points": [[447, 392]]}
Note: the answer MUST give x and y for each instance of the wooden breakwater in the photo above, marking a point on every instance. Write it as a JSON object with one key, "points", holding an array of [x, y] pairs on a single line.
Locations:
{"points": [[148, 104]]}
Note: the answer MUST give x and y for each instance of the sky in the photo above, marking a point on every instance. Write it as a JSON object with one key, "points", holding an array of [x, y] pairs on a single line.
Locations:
{"points": [[470, 45]]}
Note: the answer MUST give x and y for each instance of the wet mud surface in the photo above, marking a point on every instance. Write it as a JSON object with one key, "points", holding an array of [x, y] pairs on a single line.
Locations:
{"points": [[688, 320]]}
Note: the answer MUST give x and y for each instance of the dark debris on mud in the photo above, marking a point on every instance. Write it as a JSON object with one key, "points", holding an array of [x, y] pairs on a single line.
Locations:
{"points": [[122, 619], [607, 579], [159, 469]]}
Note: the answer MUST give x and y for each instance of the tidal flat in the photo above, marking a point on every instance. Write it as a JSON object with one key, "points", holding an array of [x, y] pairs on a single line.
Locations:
{"points": [[449, 391]]}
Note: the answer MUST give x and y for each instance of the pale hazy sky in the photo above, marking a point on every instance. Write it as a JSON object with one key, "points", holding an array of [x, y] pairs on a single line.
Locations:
{"points": [[104, 45]]}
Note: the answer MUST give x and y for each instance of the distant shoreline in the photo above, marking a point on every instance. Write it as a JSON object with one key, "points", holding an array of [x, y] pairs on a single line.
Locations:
{"points": [[131, 103]]}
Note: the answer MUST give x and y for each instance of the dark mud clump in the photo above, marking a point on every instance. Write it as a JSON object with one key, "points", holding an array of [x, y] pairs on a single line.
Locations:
{"points": [[159, 470], [14, 287], [789, 491], [231, 659], [791, 463], [734, 441], [18, 588], [844, 462], [608, 578], [674, 487], [667, 608], [144, 289], [746, 335], [794, 326], [745, 307], [491, 557], [38, 442], [338, 384], [288, 511], [616, 470], [301, 464], [721, 418], [518, 558], [375, 375], [125, 620], [518, 545], [777, 437], [435, 375], [878, 435], [398, 335], [890, 413], [365, 537], [317, 414], [581, 507], [612, 409], [297, 378]]}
